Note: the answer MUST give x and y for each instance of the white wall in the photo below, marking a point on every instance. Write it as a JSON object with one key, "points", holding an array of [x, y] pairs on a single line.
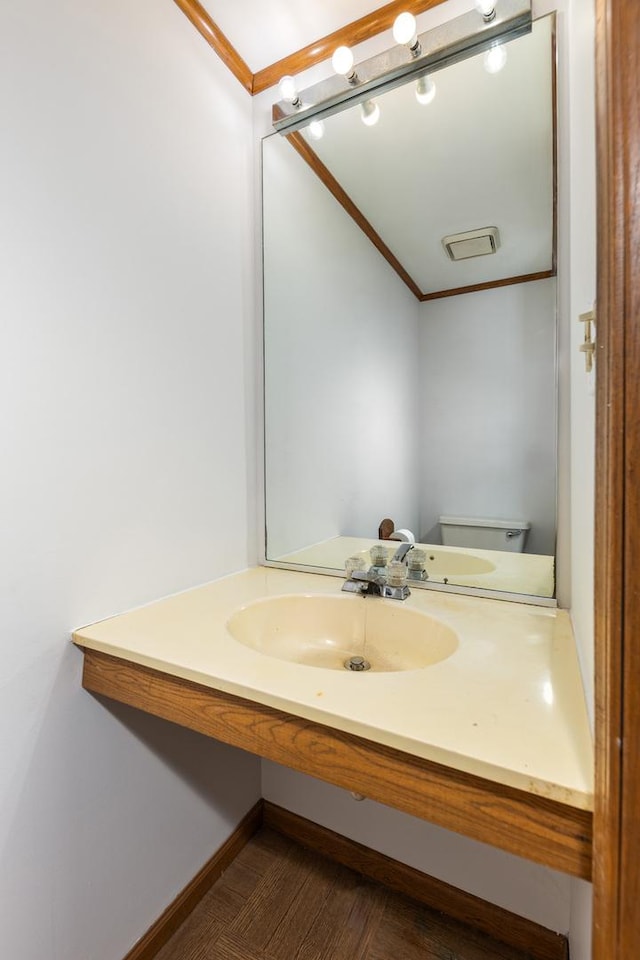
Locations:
{"points": [[125, 286], [341, 332], [488, 372]]}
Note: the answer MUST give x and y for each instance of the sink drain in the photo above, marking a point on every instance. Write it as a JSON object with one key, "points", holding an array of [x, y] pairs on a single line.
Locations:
{"points": [[357, 664]]}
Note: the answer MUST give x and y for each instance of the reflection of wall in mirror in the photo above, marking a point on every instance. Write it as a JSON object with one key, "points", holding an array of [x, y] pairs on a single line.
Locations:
{"points": [[487, 364], [341, 368]]}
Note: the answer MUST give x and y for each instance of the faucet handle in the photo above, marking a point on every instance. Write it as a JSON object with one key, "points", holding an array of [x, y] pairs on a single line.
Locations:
{"points": [[417, 565], [398, 573], [379, 555], [353, 564]]}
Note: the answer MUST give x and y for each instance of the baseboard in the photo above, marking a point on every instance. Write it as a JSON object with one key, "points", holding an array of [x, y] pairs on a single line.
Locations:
{"points": [[507, 927], [176, 913]]}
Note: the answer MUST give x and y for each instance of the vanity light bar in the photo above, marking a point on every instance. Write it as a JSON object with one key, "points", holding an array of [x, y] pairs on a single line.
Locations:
{"points": [[455, 40]]}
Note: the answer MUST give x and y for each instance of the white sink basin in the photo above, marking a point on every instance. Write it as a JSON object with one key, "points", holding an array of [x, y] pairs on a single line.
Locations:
{"points": [[326, 631]]}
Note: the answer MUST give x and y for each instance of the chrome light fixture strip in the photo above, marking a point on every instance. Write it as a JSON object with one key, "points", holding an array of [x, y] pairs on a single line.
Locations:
{"points": [[458, 39]]}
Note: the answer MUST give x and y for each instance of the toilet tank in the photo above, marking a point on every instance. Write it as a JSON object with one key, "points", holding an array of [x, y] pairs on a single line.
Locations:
{"points": [[484, 534]]}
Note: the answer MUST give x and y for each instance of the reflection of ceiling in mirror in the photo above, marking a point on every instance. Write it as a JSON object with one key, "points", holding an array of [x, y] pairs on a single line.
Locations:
{"points": [[480, 154]]}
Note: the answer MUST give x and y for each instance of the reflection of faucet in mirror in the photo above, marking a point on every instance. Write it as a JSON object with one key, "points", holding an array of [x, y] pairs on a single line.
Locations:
{"points": [[402, 552]]}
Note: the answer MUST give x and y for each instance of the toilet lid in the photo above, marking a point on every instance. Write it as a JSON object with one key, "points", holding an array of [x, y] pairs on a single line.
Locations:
{"points": [[487, 522]]}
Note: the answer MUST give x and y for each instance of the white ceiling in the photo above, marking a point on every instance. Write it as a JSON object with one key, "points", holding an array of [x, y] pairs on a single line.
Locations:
{"points": [[264, 31]]}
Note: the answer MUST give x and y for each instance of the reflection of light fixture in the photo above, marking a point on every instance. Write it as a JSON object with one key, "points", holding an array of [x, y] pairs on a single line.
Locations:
{"points": [[495, 58], [466, 35], [316, 129], [487, 9], [370, 113], [289, 92], [405, 32], [425, 90], [342, 62]]}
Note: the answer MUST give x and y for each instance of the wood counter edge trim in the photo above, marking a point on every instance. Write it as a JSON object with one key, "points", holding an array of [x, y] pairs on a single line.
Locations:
{"points": [[177, 912], [509, 928], [539, 829]]}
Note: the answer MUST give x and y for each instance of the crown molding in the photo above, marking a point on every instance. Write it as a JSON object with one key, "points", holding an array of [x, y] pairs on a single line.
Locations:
{"points": [[216, 39], [351, 34]]}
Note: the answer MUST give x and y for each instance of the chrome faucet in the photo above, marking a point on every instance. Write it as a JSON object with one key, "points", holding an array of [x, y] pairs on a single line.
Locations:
{"points": [[374, 582], [368, 583]]}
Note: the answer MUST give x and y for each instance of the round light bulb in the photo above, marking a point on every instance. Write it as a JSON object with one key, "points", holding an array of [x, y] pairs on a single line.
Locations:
{"points": [[342, 61], [405, 29], [487, 8], [287, 89], [495, 58], [425, 90], [370, 113], [316, 129]]}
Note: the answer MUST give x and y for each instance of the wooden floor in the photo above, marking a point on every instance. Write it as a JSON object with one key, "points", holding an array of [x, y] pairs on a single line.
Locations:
{"points": [[278, 901]]}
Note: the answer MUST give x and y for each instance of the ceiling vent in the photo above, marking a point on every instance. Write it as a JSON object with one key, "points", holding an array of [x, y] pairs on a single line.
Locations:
{"points": [[474, 243]]}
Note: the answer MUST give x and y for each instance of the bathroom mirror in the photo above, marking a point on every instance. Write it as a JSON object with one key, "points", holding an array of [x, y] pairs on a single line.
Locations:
{"points": [[389, 393]]}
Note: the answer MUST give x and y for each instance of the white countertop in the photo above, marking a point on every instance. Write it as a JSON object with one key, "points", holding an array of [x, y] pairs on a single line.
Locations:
{"points": [[507, 705]]}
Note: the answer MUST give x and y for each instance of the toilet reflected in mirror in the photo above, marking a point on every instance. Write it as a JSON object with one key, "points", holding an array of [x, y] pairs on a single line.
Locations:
{"points": [[485, 534]]}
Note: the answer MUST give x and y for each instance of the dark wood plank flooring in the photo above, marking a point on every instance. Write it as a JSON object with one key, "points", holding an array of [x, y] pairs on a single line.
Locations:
{"points": [[278, 901]]}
